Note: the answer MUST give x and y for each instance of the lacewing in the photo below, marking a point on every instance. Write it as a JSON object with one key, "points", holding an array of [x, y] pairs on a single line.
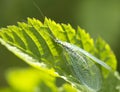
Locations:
{"points": [[83, 67]]}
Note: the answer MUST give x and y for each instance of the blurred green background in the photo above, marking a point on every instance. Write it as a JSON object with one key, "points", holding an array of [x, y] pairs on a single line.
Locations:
{"points": [[98, 17]]}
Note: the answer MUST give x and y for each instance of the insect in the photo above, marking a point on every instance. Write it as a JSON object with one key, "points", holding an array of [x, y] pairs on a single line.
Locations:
{"points": [[82, 64], [83, 68]]}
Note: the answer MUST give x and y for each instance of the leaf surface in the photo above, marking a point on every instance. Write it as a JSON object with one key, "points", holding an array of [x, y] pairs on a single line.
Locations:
{"points": [[32, 42]]}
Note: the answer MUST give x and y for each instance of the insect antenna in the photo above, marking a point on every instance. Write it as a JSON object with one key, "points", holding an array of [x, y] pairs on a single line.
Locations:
{"points": [[39, 9]]}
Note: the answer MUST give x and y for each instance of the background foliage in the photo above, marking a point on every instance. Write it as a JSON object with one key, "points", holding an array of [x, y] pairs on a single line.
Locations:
{"points": [[97, 17]]}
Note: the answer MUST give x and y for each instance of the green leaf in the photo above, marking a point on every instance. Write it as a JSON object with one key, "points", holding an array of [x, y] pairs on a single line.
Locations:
{"points": [[33, 43]]}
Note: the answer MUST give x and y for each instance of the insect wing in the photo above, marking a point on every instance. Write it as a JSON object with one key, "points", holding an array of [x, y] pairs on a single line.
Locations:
{"points": [[84, 70]]}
